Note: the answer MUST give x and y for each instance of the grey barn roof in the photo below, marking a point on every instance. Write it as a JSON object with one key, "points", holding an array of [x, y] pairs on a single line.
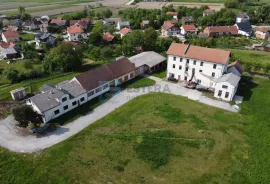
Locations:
{"points": [[73, 88], [230, 78], [47, 100], [147, 58]]}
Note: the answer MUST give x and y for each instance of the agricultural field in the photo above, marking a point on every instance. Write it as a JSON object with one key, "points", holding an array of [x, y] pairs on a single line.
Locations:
{"points": [[159, 138], [251, 56]]}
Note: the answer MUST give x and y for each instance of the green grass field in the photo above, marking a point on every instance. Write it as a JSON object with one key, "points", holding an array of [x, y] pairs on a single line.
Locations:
{"points": [[250, 56], [139, 82], [156, 138]]}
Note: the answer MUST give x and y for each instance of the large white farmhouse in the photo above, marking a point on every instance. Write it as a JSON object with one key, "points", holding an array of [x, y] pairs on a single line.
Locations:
{"points": [[203, 66]]}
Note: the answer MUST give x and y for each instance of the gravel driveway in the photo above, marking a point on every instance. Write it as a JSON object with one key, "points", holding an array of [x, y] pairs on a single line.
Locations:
{"points": [[12, 140]]}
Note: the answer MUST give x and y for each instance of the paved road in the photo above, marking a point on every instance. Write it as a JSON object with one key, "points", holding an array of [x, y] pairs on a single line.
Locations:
{"points": [[12, 140]]}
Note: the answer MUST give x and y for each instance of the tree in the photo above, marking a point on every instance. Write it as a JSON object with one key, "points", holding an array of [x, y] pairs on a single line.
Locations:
{"points": [[107, 13], [149, 38], [106, 53], [231, 3], [94, 38], [25, 115], [98, 27], [21, 10], [11, 74], [63, 58], [1, 25], [132, 40], [29, 51]]}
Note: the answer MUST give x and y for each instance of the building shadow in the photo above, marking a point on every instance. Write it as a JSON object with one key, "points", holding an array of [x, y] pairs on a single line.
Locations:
{"points": [[246, 85], [52, 130]]}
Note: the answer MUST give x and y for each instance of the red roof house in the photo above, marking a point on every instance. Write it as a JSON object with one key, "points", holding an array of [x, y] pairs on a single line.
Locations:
{"points": [[107, 37], [124, 31]]}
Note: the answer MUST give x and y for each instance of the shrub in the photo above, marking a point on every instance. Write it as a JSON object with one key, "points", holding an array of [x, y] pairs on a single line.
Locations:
{"points": [[25, 115]]}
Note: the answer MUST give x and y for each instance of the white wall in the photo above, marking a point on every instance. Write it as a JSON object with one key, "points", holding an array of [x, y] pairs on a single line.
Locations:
{"points": [[76, 36], [231, 90], [207, 70]]}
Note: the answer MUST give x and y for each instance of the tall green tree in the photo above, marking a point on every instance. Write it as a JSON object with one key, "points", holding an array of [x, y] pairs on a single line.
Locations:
{"points": [[149, 39], [63, 58]]}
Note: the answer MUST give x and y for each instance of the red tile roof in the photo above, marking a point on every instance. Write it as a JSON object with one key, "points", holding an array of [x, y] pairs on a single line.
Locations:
{"points": [[125, 31], [237, 65], [221, 29], [107, 37], [73, 30], [7, 45], [12, 28], [263, 29], [200, 53], [171, 13], [208, 11], [58, 21], [167, 25], [190, 27], [11, 34]]}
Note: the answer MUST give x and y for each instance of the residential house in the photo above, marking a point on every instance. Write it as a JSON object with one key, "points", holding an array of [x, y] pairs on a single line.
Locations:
{"points": [[200, 65], [244, 28], [42, 38], [145, 24], [213, 31], [107, 37], [9, 53], [75, 33], [235, 68], [15, 22], [44, 28], [169, 29], [123, 32], [262, 33], [189, 29], [58, 21], [55, 100], [111, 21], [12, 28], [187, 20], [226, 86], [242, 17], [2, 17], [121, 25], [173, 14], [83, 23], [30, 25], [208, 12], [10, 36], [148, 62], [18, 94]]}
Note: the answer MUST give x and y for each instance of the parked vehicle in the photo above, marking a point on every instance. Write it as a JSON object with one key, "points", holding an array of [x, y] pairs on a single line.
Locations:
{"points": [[172, 79]]}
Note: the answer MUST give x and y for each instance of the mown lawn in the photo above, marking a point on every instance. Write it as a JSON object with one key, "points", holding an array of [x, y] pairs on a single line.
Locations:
{"points": [[138, 82], [157, 138], [160, 74], [27, 37]]}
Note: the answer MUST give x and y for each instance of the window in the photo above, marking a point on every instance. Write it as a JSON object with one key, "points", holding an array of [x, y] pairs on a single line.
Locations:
{"points": [[224, 87], [186, 69], [74, 103], [201, 63], [82, 99], [91, 93], [187, 60], [214, 66], [173, 65], [200, 71], [180, 67], [174, 58], [185, 78], [181, 59], [64, 99], [213, 74], [219, 93], [126, 78], [56, 111], [98, 90], [66, 107], [199, 81], [194, 62], [227, 95], [172, 75], [105, 86]]}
